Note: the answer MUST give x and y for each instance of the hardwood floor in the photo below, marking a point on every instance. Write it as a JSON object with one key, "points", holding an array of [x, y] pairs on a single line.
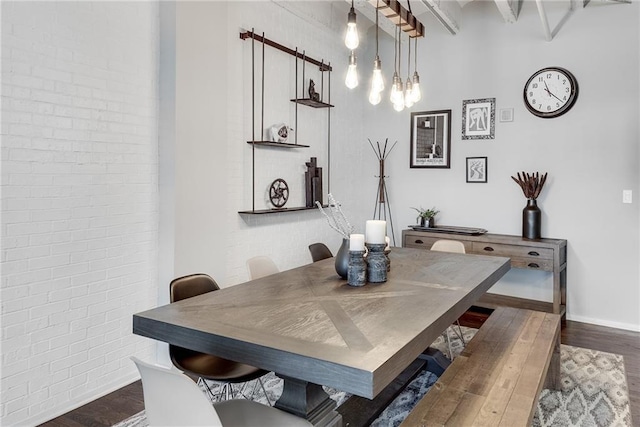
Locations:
{"points": [[128, 401]]}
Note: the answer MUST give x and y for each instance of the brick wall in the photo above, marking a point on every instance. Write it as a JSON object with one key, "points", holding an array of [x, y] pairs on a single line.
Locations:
{"points": [[79, 199]]}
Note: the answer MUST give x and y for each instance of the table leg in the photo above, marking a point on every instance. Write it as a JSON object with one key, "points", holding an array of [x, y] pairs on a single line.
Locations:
{"points": [[552, 380], [310, 401]]}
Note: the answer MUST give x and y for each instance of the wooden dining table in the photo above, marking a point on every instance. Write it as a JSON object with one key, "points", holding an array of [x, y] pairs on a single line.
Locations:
{"points": [[311, 328]]}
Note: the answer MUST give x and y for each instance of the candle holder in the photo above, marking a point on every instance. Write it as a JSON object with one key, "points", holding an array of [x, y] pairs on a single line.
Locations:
{"points": [[386, 255], [357, 272], [376, 263]]}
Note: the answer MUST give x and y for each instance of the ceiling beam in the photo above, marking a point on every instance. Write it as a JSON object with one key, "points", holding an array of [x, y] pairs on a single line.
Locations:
{"points": [[510, 9], [447, 12], [548, 32], [400, 16]]}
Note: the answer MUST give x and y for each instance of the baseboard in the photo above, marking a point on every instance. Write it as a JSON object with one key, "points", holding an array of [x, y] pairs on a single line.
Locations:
{"points": [[607, 323], [54, 413]]}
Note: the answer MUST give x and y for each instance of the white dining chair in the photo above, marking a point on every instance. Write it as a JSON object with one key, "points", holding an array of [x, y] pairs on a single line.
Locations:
{"points": [[261, 266], [173, 399], [455, 246]]}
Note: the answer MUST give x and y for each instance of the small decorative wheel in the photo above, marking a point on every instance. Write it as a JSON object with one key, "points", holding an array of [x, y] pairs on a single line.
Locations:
{"points": [[279, 193]]}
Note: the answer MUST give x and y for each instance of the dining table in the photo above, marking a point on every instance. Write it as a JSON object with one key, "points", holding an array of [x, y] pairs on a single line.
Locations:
{"points": [[313, 329]]}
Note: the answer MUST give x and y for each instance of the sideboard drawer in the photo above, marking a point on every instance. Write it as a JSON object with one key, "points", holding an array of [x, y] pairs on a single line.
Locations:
{"points": [[499, 249], [414, 241], [530, 263]]}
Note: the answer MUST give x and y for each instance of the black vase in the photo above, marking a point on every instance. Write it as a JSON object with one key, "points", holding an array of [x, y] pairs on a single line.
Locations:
{"points": [[342, 259], [531, 219]]}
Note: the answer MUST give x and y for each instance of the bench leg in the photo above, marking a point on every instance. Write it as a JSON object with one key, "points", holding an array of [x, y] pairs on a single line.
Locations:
{"points": [[552, 381]]}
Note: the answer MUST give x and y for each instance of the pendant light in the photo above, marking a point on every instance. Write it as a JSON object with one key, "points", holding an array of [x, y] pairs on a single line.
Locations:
{"points": [[351, 40], [397, 90], [351, 81], [415, 91], [408, 93], [377, 82]]}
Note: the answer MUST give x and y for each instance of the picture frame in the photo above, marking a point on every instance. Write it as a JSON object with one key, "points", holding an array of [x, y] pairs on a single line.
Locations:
{"points": [[430, 139], [477, 169], [479, 118]]}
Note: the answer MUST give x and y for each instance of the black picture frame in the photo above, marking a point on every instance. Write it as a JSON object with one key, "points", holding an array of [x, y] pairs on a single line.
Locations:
{"points": [[430, 139], [479, 118], [477, 170]]}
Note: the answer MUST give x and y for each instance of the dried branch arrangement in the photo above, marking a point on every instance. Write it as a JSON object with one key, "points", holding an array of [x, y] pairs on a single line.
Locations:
{"points": [[335, 217], [531, 184]]}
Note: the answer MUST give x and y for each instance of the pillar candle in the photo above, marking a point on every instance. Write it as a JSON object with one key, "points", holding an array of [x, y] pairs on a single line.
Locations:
{"points": [[375, 231], [356, 242]]}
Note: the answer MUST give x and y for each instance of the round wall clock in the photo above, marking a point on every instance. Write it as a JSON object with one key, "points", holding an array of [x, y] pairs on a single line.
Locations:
{"points": [[279, 193], [550, 92]]}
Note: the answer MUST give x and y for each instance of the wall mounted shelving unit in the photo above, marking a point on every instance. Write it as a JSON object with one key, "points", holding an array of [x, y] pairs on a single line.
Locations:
{"points": [[257, 143]]}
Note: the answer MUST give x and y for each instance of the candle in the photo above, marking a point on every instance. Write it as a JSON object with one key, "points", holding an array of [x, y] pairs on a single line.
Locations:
{"points": [[375, 231], [356, 242]]}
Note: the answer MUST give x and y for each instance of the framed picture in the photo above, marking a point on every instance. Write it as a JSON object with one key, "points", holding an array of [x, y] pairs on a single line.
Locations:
{"points": [[476, 169], [478, 118], [430, 139]]}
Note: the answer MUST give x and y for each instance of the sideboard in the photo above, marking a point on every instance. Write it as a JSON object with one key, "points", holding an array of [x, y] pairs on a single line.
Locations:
{"points": [[540, 254]]}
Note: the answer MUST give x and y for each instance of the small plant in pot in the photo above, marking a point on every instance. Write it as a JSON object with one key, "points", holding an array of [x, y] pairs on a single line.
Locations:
{"points": [[426, 217]]}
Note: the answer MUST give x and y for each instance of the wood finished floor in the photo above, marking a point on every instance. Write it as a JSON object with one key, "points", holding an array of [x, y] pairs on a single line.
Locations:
{"points": [[128, 401]]}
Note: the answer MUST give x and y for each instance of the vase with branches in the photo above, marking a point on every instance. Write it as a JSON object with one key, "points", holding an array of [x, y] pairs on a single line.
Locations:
{"points": [[339, 222], [531, 185]]}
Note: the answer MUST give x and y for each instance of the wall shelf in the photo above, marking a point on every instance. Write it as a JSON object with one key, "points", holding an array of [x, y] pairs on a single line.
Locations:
{"points": [[312, 103], [277, 144], [281, 210]]}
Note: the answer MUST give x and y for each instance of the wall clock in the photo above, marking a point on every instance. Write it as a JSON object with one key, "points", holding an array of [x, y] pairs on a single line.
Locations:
{"points": [[279, 193], [550, 92]]}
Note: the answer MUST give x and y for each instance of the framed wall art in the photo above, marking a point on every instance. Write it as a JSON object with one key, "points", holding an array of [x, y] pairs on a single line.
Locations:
{"points": [[430, 139], [476, 169], [479, 118]]}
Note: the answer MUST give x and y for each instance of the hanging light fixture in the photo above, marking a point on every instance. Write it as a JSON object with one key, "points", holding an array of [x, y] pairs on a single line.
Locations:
{"points": [[397, 91], [416, 94], [351, 40], [408, 93], [351, 81], [377, 82]]}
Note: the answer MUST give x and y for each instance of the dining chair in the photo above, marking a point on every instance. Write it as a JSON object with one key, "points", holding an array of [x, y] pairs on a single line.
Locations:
{"points": [[319, 251], [206, 366], [172, 399], [455, 246], [261, 266]]}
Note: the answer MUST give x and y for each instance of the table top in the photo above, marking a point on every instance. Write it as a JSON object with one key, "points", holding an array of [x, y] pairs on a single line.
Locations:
{"points": [[308, 323]]}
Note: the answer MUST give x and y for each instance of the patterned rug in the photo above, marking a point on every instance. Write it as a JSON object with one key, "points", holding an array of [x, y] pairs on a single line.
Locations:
{"points": [[594, 391]]}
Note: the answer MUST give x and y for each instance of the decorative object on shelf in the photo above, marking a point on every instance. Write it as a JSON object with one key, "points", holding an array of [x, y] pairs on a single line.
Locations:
{"points": [[279, 132], [313, 95], [531, 185], [313, 183], [338, 221], [426, 217], [430, 139], [279, 193], [477, 169], [550, 92], [357, 271], [479, 118], [382, 207]]}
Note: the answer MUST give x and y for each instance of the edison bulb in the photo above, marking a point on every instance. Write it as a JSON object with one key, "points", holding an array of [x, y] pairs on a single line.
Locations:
{"points": [[351, 80], [375, 97], [351, 40]]}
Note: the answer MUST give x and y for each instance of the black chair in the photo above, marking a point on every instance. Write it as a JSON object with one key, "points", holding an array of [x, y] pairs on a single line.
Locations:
{"points": [[319, 251], [201, 365]]}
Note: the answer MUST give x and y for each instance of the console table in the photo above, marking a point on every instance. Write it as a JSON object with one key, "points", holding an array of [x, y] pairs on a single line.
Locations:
{"points": [[542, 254]]}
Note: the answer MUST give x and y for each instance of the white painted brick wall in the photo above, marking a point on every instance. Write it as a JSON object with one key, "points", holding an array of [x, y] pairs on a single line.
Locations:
{"points": [[79, 199]]}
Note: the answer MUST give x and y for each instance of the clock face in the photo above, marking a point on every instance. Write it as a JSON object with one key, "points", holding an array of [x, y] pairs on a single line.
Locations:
{"points": [[550, 92]]}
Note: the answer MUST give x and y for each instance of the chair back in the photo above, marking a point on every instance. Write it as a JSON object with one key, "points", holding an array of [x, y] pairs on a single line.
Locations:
{"points": [[261, 266], [444, 245], [189, 286], [172, 399], [319, 251]]}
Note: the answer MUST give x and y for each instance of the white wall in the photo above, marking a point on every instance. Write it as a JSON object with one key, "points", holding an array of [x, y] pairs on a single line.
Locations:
{"points": [[590, 153], [79, 200], [213, 121]]}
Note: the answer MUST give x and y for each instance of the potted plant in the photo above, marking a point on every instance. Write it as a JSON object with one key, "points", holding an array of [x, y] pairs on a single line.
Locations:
{"points": [[426, 217]]}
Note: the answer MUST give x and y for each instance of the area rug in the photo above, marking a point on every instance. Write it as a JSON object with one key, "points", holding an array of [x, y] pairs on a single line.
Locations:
{"points": [[594, 391]]}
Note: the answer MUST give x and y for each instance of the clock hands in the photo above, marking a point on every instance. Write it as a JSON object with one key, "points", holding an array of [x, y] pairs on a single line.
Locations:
{"points": [[546, 88]]}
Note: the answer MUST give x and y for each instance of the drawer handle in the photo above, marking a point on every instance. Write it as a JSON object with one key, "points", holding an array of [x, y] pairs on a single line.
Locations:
{"points": [[488, 248], [419, 241], [533, 265], [534, 253]]}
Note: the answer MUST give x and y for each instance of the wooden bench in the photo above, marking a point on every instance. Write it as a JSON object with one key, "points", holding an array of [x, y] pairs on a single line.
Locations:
{"points": [[498, 377]]}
